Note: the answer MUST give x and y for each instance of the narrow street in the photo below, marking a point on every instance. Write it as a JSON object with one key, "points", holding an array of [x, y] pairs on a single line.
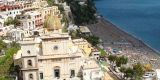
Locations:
{"points": [[107, 74]]}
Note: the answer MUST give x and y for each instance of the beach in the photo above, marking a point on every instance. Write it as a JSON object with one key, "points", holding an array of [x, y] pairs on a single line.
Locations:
{"points": [[130, 46]]}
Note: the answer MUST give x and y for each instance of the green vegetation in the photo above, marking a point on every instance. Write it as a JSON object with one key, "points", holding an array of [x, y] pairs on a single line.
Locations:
{"points": [[6, 78], [121, 60], [74, 34], [66, 23], [8, 55], [102, 52], [92, 39], [61, 1], [112, 58], [139, 71], [9, 21], [118, 60], [16, 22], [61, 8], [134, 73], [82, 13], [6, 62], [50, 2], [12, 21], [3, 45], [129, 72], [64, 29]]}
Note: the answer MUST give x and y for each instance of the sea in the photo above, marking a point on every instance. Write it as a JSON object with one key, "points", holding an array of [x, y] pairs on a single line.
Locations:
{"points": [[140, 18]]}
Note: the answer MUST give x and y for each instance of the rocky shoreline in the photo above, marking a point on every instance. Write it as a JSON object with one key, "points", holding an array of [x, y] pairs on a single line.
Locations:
{"points": [[130, 46]]}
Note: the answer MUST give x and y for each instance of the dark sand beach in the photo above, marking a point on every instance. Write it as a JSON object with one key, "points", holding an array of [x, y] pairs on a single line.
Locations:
{"points": [[135, 49]]}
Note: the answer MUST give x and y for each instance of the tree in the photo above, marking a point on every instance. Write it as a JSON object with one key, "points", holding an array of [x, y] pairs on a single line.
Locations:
{"points": [[82, 14], [73, 34], [129, 72], [124, 59], [134, 73], [16, 22], [148, 67], [9, 21], [50, 2], [138, 70], [122, 70], [112, 58], [102, 52], [61, 1], [121, 60], [3, 45], [61, 8], [93, 40], [14, 44]]}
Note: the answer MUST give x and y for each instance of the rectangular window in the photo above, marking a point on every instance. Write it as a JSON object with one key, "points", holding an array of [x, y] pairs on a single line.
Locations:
{"points": [[72, 73], [41, 75], [56, 73], [29, 23]]}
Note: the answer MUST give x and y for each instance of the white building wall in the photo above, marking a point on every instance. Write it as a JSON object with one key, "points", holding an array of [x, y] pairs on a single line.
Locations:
{"points": [[29, 52], [29, 47], [48, 47], [12, 13], [34, 64], [92, 74], [65, 65], [26, 75]]}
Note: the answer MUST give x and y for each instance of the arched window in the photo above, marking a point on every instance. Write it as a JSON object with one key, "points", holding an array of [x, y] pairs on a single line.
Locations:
{"points": [[30, 76], [72, 74], [57, 72], [29, 62]]}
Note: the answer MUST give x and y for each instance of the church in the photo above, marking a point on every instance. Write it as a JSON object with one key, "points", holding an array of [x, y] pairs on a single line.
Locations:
{"points": [[54, 56]]}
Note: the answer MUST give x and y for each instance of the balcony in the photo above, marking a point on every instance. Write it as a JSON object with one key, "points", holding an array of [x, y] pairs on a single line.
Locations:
{"points": [[9, 7]]}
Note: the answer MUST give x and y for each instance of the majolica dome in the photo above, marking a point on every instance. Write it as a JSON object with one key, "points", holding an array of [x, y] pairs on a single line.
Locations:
{"points": [[52, 23]]}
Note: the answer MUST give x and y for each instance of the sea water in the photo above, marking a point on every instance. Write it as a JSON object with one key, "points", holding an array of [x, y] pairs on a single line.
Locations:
{"points": [[140, 18]]}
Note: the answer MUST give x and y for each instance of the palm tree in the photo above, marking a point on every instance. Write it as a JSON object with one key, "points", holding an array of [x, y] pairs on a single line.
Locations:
{"points": [[121, 60], [112, 58], [129, 72], [122, 70], [139, 71]]}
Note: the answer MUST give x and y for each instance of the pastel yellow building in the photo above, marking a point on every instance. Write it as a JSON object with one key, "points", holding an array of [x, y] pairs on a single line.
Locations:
{"points": [[84, 45]]}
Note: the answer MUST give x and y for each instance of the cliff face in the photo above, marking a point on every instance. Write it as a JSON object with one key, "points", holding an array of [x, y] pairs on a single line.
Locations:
{"points": [[83, 11]]}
